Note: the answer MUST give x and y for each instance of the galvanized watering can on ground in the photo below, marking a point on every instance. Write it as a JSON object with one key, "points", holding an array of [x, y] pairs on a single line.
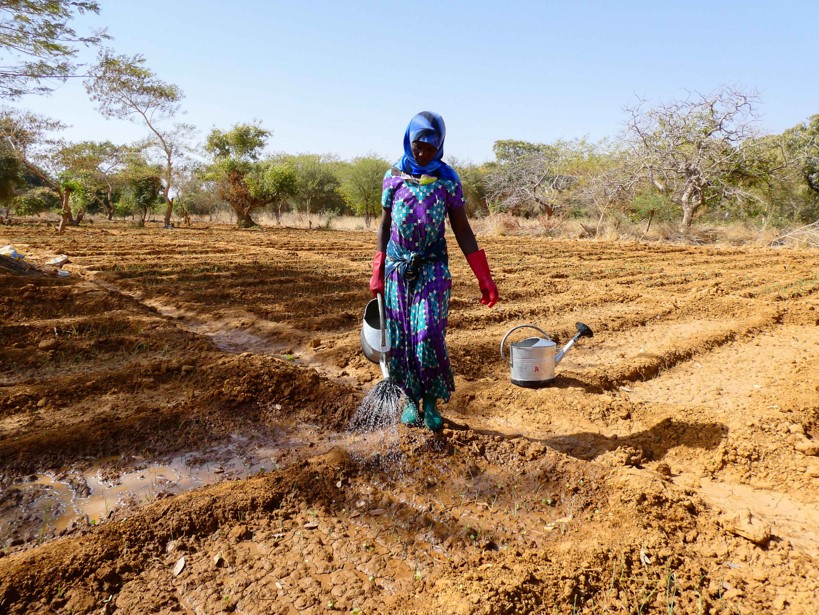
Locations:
{"points": [[532, 361]]}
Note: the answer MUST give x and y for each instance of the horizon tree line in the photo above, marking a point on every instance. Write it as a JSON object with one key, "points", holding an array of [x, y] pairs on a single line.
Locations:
{"points": [[695, 158]]}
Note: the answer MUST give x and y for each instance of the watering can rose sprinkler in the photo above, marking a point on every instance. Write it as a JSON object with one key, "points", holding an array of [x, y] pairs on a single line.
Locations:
{"points": [[532, 361]]}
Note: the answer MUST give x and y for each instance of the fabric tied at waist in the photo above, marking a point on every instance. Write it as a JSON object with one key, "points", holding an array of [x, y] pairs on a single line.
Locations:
{"points": [[409, 263]]}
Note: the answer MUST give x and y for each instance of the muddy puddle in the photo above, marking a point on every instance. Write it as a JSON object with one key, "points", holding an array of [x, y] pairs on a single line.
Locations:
{"points": [[47, 505], [50, 504]]}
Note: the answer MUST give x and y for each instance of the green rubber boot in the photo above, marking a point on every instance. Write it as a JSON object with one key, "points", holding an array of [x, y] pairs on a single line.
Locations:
{"points": [[432, 419], [410, 414]]}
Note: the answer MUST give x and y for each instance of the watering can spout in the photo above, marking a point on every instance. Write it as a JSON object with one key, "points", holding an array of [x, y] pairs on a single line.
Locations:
{"points": [[582, 331]]}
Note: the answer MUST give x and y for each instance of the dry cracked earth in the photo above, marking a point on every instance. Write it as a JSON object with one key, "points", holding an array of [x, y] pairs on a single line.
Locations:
{"points": [[174, 432]]}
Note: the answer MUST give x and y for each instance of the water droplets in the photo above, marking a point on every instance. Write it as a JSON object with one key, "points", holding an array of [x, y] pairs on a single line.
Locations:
{"points": [[380, 409], [377, 420]]}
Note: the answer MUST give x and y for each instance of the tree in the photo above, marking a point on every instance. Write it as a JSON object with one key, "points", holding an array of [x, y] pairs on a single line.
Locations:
{"points": [[529, 177], [142, 186], [510, 150], [11, 175], [35, 200], [124, 88], [236, 171], [609, 184], [802, 143], [474, 182], [785, 175], [243, 142], [281, 183], [694, 150], [38, 46], [195, 193], [29, 136], [361, 184], [317, 181], [97, 166]]}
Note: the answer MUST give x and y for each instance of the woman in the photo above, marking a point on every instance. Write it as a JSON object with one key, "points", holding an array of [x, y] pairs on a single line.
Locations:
{"points": [[410, 266]]}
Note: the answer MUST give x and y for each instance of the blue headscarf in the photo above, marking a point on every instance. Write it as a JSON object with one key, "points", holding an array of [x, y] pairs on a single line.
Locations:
{"points": [[428, 127]]}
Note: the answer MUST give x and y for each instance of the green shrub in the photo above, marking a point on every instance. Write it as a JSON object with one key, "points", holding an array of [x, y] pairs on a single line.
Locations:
{"points": [[644, 204]]}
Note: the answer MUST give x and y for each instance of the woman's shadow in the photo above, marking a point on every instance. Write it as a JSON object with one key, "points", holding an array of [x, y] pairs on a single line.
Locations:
{"points": [[654, 442]]}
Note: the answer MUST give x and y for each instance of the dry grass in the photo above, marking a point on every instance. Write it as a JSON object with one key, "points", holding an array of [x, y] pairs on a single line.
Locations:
{"points": [[610, 228], [806, 236], [505, 224], [296, 220]]}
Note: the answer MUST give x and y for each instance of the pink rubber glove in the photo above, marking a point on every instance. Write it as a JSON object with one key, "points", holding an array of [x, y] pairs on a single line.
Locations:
{"points": [[377, 281], [489, 292]]}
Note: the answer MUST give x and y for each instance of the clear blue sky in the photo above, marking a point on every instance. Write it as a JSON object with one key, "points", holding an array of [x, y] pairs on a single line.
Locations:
{"points": [[345, 77]]}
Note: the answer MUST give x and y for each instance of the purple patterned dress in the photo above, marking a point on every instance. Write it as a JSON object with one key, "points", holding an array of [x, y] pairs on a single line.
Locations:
{"points": [[418, 305]]}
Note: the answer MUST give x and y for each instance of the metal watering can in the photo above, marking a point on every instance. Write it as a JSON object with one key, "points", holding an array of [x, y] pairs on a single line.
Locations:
{"points": [[374, 340], [532, 361]]}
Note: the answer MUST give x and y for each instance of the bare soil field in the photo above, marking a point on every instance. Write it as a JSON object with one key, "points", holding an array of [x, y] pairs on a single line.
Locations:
{"points": [[174, 431]]}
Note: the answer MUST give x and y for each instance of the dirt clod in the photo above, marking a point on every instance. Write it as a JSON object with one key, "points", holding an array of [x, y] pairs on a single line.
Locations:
{"points": [[743, 523]]}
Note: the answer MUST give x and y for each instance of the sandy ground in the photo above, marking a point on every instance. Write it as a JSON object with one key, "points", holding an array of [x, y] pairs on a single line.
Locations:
{"points": [[174, 413]]}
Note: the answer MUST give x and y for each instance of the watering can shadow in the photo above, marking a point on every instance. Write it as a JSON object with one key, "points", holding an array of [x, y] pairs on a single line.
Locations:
{"points": [[532, 361]]}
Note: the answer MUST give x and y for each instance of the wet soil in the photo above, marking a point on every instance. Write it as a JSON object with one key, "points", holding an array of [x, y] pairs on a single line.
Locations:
{"points": [[174, 431]]}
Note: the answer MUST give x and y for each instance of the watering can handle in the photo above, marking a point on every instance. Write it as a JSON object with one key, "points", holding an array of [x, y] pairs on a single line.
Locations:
{"points": [[382, 322], [503, 341], [382, 319]]}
